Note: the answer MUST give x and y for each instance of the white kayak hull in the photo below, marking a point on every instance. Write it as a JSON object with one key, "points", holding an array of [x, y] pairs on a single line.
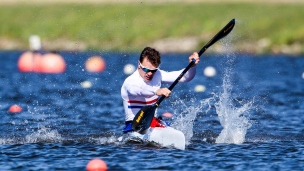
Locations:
{"points": [[164, 137]]}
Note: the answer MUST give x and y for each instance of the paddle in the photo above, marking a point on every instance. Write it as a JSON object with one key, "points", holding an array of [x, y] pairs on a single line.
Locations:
{"points": [[143, 118]]}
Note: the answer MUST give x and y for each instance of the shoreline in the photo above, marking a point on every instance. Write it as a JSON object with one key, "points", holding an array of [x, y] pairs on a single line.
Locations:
{"points": [[168, 45]]}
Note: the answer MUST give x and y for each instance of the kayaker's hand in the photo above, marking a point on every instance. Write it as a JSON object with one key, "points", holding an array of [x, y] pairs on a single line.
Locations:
{"points": [[194, 56], [163, 92]]}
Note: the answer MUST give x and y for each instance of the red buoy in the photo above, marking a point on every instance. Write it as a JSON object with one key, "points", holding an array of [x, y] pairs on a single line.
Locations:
{"points": [[29, 62], [52, 63], [96, 165], [167, 114], [15, 109]]}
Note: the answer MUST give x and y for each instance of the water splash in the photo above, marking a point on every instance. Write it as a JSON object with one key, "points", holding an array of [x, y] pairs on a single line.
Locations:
{"points": [[233, 114], [107, 140], [6, 141], [186, 115], [43, 135]]}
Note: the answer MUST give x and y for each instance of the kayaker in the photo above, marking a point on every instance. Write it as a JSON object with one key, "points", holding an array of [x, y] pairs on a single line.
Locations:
{"points": [[143, 87]]}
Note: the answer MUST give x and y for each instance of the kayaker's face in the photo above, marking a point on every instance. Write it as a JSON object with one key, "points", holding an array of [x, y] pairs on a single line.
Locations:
{"points": [[146, 69]]}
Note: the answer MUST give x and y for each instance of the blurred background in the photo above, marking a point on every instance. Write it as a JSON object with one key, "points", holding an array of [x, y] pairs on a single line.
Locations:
{"points": [[273, 26]]}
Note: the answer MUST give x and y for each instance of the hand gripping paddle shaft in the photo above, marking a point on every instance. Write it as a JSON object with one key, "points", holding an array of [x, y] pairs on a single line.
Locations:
{"points": [[144, 116]]}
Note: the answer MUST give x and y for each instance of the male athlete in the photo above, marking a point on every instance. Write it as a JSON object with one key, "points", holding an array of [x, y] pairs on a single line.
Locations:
{"points": [[143, 87]]}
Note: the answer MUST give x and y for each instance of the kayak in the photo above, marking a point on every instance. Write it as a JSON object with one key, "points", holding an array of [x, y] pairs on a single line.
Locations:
{"points": [[158, 136]]}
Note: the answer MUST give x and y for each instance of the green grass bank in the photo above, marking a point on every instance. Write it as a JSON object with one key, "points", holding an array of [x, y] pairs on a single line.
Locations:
{"points": [[260, 28]]}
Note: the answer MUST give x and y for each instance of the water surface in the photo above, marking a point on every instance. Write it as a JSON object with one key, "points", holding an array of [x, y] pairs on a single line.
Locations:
{"points": [[250, 116]]}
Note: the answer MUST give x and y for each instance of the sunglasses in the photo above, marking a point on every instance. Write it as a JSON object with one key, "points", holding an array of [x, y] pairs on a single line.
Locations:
{"points": [[145, 69]]}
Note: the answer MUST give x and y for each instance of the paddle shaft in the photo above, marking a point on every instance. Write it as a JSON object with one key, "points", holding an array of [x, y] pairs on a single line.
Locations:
{"points": [[181, 75], [176, 81]]}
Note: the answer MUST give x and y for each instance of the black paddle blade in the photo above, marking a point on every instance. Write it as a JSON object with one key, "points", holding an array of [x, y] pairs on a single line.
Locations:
{"points": [[143, 118], [221, 34]]}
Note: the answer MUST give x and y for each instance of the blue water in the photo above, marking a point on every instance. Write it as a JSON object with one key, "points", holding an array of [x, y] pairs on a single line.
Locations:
{"points": [[249, 118]]}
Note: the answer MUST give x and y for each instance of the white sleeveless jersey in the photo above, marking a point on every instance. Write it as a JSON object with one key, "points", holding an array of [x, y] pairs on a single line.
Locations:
{"points": [[137, 93]]}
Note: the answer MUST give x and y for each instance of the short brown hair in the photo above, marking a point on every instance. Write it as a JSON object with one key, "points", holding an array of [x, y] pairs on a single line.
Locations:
{"points": [[152, 55]]}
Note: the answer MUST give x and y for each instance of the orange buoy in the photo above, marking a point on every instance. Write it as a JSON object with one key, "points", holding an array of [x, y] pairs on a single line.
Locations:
{"points": [[167, 115], [15, 109], [96, 165], [95, 64], [52, 63], [29, 62]]}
